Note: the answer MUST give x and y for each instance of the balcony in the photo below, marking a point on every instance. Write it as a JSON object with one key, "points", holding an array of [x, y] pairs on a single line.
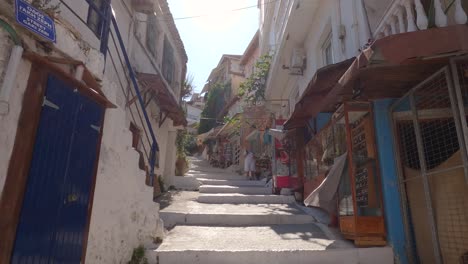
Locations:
{"points": [[410, 15]]}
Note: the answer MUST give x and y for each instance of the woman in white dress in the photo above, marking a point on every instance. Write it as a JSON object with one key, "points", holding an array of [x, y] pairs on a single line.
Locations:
{"points": [[249, 164]]}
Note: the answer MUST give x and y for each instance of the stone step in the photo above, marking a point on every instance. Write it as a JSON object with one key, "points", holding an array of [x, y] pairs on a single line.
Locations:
{"points": [[276, 244], [215, 176], [194, 213], [234, 189], [242, 182], [238, 198]]}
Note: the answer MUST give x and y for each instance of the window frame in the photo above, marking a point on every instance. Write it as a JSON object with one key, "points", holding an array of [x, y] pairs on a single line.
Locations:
{"points": [[101, 26], [328, 56], [153, 27], [168, 62]]}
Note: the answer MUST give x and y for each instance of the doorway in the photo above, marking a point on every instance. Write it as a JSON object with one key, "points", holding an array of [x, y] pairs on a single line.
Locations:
{"points": [[58, 193]]}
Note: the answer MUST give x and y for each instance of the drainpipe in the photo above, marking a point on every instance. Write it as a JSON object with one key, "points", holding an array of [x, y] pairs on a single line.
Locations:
{"points": [[356, 24], [367, 27], [11, 68]]}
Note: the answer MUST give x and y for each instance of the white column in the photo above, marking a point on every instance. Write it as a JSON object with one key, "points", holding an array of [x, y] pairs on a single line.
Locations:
{"points": [[410, 16], [460, 14], [421, 19], [401, 21], [440, 17], [393, 25]]}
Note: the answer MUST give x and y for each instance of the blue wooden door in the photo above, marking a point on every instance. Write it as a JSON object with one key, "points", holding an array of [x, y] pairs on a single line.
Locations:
{"points": [[55, 205]]}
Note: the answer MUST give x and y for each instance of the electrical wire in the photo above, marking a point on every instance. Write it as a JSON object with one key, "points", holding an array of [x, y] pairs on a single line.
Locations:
{"points": [[225, 11]]}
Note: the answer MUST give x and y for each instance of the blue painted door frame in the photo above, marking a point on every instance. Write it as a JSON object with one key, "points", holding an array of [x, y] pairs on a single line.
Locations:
{"points": [[389, 177], [54, 213]]}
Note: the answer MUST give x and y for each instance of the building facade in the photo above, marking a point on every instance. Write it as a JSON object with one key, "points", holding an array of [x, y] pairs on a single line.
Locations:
{"points": [[360, 80], [91, 119]]}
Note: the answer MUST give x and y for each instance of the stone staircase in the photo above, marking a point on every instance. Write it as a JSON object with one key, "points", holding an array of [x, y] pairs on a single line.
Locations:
{"points": [[231, 220]]}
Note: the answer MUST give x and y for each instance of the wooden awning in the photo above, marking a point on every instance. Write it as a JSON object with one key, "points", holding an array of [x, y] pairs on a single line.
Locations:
{"points": [[88, 85], [163, 97], [387, 69], [324, 79]]}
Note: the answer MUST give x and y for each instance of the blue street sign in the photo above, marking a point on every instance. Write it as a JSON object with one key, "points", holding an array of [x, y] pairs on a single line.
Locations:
{"points": [[35, 20]]}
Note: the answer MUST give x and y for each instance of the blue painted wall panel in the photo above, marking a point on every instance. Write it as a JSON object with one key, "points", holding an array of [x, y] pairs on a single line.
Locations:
{"points": [[389, 176], [323, 119]]}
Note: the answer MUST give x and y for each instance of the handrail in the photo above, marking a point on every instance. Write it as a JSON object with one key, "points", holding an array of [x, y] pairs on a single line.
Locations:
{"points": [[154, 143], [107, 18]]}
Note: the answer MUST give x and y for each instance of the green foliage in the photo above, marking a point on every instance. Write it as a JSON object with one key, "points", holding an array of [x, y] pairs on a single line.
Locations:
{"points": [[161, 183], [185, 144], [187, 87], [191, 146], [138, 256], [180, 142], [253, 89], [214, 105], [234, 122]]}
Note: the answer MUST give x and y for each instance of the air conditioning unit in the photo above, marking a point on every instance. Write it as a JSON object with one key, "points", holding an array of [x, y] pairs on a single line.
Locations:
{"points": [[296, 71], [297, 65]]}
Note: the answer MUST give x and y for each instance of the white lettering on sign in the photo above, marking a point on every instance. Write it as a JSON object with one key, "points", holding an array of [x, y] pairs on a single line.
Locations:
{"points": [[35, 20]]}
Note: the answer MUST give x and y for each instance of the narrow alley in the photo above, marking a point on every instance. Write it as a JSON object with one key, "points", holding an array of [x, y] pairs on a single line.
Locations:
{"points": [[233, 220]]}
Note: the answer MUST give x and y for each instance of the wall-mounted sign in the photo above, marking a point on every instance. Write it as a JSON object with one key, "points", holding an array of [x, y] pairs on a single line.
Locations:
{"points": [[35, 20]]}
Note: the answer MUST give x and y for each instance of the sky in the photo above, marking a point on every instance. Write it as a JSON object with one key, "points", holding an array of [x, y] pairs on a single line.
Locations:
{"points": [[219, 30]]}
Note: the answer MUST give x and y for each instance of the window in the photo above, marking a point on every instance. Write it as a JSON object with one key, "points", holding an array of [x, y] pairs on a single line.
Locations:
{"points": [[327, 50], [95, 21], [152, 35], [168, 62]]}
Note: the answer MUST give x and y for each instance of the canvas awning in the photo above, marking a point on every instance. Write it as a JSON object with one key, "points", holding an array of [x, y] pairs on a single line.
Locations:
{"points": [[324, 79], [387, 69], [163, 97]]}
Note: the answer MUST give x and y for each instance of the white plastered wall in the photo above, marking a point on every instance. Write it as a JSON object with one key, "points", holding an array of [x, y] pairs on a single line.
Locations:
{"points": [[349, 32], [124, 215], [9, 122]]}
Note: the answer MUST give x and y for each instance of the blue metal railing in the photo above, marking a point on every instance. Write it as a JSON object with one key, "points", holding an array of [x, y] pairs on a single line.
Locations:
{"points": [[106, 19], [154, 143]]}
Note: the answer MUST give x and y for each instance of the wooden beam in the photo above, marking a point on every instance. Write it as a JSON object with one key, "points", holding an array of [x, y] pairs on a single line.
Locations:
{"points": [[149, 99], [87, 91], [135, 98], [161, 119], [15, 184]]}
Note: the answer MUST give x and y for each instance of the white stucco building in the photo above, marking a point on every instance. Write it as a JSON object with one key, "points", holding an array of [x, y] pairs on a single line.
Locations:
{"points": [[395, 57], [304, 36], [75, 137]]}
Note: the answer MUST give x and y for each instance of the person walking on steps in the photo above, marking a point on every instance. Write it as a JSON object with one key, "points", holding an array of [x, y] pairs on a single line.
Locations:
{"points": [[249, 164]]}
